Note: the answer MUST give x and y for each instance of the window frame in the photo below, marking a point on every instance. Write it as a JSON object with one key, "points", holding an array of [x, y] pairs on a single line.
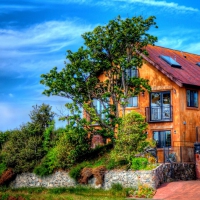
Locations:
{"points": [[129, 106], [162, 109], [131, 72], [160, 136], [192, 104]]}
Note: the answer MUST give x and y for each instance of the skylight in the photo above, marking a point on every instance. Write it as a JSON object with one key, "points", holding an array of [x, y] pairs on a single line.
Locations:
{"points": [[170, 61], [198, 64]]}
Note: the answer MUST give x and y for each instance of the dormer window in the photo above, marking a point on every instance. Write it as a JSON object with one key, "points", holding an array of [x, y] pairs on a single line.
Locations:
{"points": [[198, 64], [131, 72], [170, 61]]}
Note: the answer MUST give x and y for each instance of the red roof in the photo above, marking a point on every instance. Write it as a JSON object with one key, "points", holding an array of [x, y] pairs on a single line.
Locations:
{"points": [[189, 74]]}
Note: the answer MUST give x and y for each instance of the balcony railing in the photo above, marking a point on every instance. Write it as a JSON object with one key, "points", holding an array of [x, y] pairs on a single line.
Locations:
{"points": [[159, 114]]}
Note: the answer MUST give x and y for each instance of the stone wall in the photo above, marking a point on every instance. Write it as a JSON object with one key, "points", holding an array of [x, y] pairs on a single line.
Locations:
{"points": [[152, 178], [173, 172]]}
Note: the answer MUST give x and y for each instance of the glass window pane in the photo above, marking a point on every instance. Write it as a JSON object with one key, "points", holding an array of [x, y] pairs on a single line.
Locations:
{"points": [[155, 99], [195, 99], [188, 97], [192, 98], [162, 138], [133, 102], [166, 99]]}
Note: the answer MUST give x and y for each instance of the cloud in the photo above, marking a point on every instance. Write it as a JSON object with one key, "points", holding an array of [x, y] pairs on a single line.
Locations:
{"points": [[41, 38], [163, 4], [7, 8], [11, 95]]}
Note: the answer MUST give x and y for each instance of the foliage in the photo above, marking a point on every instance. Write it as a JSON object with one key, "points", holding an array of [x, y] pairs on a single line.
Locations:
{"points": [[75, 193], [71, 147], [48, 163], [76, 170], [3, 137], [116, 187], [130, 135], [139, 163], [41, 116], [24, 147], [110, 50], [3, 168], [143, 191]]}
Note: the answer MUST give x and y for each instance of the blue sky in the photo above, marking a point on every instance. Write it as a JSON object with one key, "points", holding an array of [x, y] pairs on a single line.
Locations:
{"points": [[35, 34]]}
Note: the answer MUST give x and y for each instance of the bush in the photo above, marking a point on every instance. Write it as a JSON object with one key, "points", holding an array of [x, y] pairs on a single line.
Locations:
{"points": [[48, 164], [2, 168], [116, 187], [73, 147], [139, 163], [131, 134], [76, 171]]}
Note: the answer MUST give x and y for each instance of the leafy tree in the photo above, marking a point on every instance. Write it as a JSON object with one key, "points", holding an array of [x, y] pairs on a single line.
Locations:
{"points": [[109, 51], [41, 117], [131, 137], [26, 146], [72, 146]]}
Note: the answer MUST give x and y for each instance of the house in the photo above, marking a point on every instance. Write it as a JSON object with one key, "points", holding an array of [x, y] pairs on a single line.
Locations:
{"points": [[172, 108]]}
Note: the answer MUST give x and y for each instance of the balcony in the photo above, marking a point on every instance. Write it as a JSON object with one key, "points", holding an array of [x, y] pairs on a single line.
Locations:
{"points": [[159, 113]]}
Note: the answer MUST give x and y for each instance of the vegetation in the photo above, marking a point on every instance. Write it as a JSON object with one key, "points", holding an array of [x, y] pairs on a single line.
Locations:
{"points": [[117, 192], [71, 147], [131, 137], [23, 148], [111, 50]]}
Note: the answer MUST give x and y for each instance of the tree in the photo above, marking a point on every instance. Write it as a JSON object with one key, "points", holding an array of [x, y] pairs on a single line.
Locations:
{"points": [[109, 51], [26, 146], [130, 138], [41, 117]]}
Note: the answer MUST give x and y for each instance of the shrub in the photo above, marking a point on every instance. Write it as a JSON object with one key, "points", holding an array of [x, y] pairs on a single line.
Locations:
{"points": [[143, 191], [116, 187], [139, 163], [48, 163], [76, 171], [131, 135], [73, 147], [2, 168]]}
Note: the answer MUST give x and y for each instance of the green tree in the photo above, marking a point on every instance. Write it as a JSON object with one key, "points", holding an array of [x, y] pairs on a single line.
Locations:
{"points": [[110, 50], [26, 146], [41, 117], [131, 137]]}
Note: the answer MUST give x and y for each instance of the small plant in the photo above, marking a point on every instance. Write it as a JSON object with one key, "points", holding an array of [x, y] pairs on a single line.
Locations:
{"points": [[143, 191], [116, 187], [2, 168], [139, 163], [57, 190]]}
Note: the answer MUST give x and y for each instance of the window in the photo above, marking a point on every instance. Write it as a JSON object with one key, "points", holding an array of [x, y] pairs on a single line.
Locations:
{"points": [[162, 138], [131, 73], [133, 102], [160, 108], [100, 107], [192, 98], [170, 61], [198, 64]]}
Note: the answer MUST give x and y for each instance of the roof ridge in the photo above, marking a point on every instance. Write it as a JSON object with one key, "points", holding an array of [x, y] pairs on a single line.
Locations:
{"points": [[174, 49]]}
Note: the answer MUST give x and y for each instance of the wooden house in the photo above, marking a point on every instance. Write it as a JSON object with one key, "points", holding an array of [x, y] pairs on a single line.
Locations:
{"points": [[172, 108]]}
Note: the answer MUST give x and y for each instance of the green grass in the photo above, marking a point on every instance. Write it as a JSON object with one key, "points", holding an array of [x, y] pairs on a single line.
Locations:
{"points": [[71, 193]]}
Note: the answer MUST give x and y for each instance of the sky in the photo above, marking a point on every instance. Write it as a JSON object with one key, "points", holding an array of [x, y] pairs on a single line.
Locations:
{"points": [[35, 34]]}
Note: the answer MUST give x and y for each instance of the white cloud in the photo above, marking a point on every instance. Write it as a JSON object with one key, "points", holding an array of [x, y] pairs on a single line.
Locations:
{"points": [[41, 38], [163, 4], [11, 95], [6, 8]]}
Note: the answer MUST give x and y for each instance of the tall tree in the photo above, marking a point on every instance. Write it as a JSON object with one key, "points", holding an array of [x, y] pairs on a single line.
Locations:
{"points": [[111, 51]]}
